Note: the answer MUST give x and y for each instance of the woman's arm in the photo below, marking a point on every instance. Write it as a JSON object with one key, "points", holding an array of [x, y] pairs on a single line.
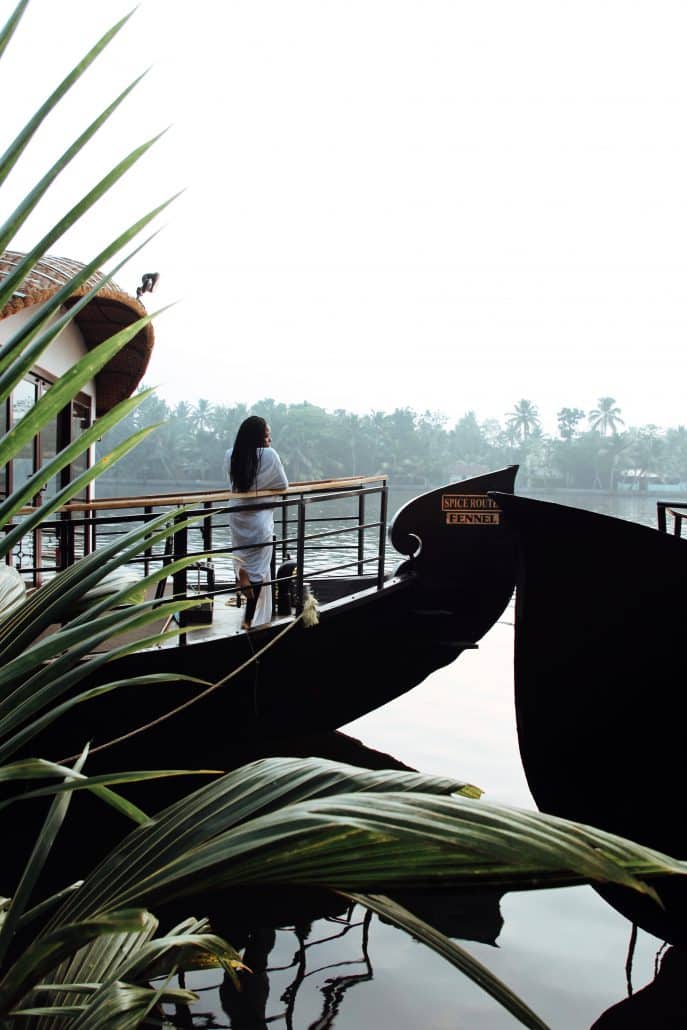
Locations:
{"points": [[271, 474]]}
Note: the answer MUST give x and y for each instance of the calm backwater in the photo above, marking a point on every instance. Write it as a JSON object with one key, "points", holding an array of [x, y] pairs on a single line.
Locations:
{"points": [[563, 951]]}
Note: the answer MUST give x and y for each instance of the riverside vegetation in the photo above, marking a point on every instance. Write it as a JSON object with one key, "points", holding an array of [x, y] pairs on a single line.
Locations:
{"points": [[592, 450]]}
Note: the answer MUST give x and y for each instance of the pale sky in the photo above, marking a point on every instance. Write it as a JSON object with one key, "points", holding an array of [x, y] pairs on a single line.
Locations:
{"points": [[439, 205]]}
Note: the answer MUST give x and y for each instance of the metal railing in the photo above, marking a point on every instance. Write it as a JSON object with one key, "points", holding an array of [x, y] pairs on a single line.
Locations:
{"points": [[663, 508], [326, 542]]}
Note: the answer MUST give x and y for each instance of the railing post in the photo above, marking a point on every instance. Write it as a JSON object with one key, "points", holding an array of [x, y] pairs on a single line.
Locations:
{"points": [[207, 526], [273, 572], [661, 515], [284, 509], [65, 535], [86, 526], [361, 534], [383, 504], [147, 516], [300, 556], [179, 579]]}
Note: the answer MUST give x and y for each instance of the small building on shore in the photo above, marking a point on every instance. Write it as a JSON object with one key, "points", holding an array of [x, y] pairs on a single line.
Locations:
{"points": [[643, 481]]}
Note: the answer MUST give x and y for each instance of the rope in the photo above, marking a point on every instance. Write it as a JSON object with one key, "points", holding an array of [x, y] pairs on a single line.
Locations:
{"points": [[187, 704]]}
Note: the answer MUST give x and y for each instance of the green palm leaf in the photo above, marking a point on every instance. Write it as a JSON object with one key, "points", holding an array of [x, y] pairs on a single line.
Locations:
{"points": [[318, 823], [48, 605], [75, 213], [34, 867], [18, 772], [24, 348], [31, 200], [75, 487], [45, 953], [21, 496], [42, 690], [113, 969], [15, 150], [10, 25], [67, 386]]}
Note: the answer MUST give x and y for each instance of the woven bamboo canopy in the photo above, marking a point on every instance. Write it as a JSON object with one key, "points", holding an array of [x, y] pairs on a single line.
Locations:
{"points": [[111, 310]]}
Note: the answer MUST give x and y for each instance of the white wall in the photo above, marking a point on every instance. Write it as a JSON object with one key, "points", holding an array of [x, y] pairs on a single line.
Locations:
{"points": [[61, 354]]}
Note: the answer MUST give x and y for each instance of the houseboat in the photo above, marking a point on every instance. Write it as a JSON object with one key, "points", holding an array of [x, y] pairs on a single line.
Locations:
{"points": [[387, 616]]}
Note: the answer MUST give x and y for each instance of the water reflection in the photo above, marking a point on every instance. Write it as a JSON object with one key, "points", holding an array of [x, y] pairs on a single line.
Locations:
{"points": [[308, 949], [341, 975], [662, 1005], [307, 961], [269, 994]]}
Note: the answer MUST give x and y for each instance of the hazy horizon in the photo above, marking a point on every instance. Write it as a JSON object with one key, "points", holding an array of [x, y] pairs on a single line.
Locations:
{"points": [[447, 207]]}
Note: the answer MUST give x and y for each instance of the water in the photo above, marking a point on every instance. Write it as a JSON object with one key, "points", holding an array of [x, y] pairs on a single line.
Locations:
{"points": [[562, 951]]}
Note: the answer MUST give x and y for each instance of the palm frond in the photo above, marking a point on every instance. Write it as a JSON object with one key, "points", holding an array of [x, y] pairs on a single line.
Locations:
{"points": [[19, 144], [10, 26], [318, 823], [22, 495]]}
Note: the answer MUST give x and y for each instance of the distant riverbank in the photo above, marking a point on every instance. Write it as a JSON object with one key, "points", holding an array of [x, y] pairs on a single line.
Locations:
{"points": [[117, 487]]}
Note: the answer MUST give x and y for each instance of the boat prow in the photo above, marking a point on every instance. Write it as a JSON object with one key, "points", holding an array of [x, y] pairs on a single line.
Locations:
{"points": [[460, 548]]}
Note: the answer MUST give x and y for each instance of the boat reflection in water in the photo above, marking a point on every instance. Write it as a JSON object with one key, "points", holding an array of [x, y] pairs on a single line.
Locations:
{"points": [[310, 947], [248, 1007], [660, 1005], [329, 946]]}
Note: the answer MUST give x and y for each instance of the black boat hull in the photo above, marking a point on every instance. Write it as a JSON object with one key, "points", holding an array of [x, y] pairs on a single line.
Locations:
{"points": [[600, 705]]}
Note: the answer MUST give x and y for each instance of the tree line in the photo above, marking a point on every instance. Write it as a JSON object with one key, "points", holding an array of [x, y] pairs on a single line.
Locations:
{"points": [[591, 450]]}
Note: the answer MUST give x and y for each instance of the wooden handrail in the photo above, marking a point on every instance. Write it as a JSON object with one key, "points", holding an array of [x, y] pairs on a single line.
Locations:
{"points": [[662, 507], [176, 500]]}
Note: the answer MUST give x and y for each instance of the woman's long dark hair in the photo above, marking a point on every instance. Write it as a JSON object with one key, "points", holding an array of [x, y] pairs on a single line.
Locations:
{"points": [[245, 459]]}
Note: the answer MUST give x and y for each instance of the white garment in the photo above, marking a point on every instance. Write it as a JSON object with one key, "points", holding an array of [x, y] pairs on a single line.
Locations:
{"points": [[257, 527]]}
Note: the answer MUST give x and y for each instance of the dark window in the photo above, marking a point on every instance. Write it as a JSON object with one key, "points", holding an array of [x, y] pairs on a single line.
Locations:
{"points": [[4, 426], [44, 551], [79, 420], [24, 464]]}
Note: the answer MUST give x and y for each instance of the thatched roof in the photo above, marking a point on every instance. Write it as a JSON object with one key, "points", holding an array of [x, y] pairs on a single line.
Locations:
{"points": [[109, 311]]}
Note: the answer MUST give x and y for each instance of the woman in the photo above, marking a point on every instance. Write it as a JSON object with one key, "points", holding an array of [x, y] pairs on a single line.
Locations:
{"points": [[252, 465]]}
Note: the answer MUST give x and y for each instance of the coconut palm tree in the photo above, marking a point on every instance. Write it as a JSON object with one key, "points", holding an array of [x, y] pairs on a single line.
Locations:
{"points": [[606, 417], [201, 415], [523, 420]]}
